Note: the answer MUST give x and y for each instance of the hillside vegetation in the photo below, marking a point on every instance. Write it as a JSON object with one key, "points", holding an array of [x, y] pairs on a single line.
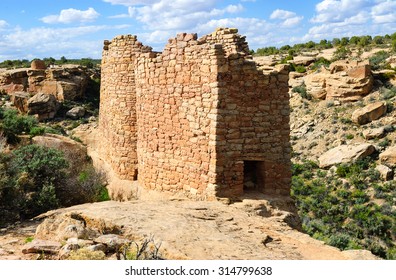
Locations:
{"points": [[349, 205]]}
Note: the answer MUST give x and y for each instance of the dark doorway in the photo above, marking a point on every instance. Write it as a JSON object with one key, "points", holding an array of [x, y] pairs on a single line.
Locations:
{"points": [[253, 175]]}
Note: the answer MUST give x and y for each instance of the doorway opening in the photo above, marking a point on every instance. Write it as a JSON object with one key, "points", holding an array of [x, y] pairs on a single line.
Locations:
{"points": [[253, 175]]}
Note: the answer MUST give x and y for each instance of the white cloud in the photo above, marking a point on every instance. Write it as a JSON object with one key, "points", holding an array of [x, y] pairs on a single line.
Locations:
{"points": [[339, 10], [346, 18], [289, 19], [130, 2], [176, 15], [70, 42], [3, 23], [72, 15], [384, 12], [282, 14]]}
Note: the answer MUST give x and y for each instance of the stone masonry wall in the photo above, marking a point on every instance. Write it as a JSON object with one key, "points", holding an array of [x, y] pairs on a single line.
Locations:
{"points": [[117, 115], [191, 119]]}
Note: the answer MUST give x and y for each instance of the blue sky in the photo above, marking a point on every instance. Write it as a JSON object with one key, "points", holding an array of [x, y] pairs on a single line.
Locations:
{"points": [[77, 28]]}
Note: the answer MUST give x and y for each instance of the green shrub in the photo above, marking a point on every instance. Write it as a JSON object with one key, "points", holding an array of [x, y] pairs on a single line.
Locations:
{"points": [[86, 254], [341, 53], [388, 93], [14, 124], [320, 62], [44, 165], [36, 130], [340, 240], [302, 91], [378, 60], [300, 69]]}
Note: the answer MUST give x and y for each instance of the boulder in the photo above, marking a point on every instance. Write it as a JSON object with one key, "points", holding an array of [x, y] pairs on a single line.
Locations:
{"points": [[20, 101], [76, 112], [344, 81], [388, 157], [316, 84], [112, 241], [345, 154], [386, 173], [349, 80], [369, 113], [296, 79], [65, 83], [44, 106], [62, 143], [38, 64], [42, 246], [304, 60], [374, 133], [14, 80]]}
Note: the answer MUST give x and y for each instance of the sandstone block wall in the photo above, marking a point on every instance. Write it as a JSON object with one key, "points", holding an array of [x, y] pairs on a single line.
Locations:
{"points": [[199, 118]]}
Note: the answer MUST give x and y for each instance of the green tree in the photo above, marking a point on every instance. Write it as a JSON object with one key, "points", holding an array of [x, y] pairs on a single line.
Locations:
{"points": [[344, 41], [63, 60]]}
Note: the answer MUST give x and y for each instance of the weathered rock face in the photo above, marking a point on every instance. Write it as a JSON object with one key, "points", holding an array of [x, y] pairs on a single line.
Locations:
{"points": [[345, 154], [369, 113], [303, 60], [20, 101], [76, 112], [43, 106], [316, 84], [386, 173], [388, 157], [198, 119], [344, 81], [62, 143], [38, 64], [64, 83], [374, 133], [13, 80]]}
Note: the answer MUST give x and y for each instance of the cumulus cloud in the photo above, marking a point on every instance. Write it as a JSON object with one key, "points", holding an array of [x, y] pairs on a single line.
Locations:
{"points": [[71, 16], [19, 42], [339, 10], [282, 14], [174, 15], [288, 19], [3, 24], [130, 2], [384, 12], [341, 18]]}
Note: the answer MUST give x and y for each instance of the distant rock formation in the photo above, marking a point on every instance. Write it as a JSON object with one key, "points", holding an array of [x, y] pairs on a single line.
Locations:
{"points": [[63, 83], [344, 81]]}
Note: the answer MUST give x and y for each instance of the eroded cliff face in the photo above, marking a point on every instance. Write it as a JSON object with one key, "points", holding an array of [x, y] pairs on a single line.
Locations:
{"points": [[200, 118], [65, 83], [39, 90]]}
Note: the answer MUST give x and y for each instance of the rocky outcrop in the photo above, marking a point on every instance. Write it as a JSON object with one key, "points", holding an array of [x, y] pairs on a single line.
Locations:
{"points": [[369, 113], [388, 157], [316, 84], [344, 81], [38, 64], [65, 83], [181, 227], [304, 60], [42, 246], [13, 80], [43, 106], [62, 143], [386, 173], [345, 154], [374, 133], [76, 112]]}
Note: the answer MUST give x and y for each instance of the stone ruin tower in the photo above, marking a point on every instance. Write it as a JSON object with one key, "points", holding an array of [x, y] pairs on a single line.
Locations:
{"points": [[199, 119]]}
